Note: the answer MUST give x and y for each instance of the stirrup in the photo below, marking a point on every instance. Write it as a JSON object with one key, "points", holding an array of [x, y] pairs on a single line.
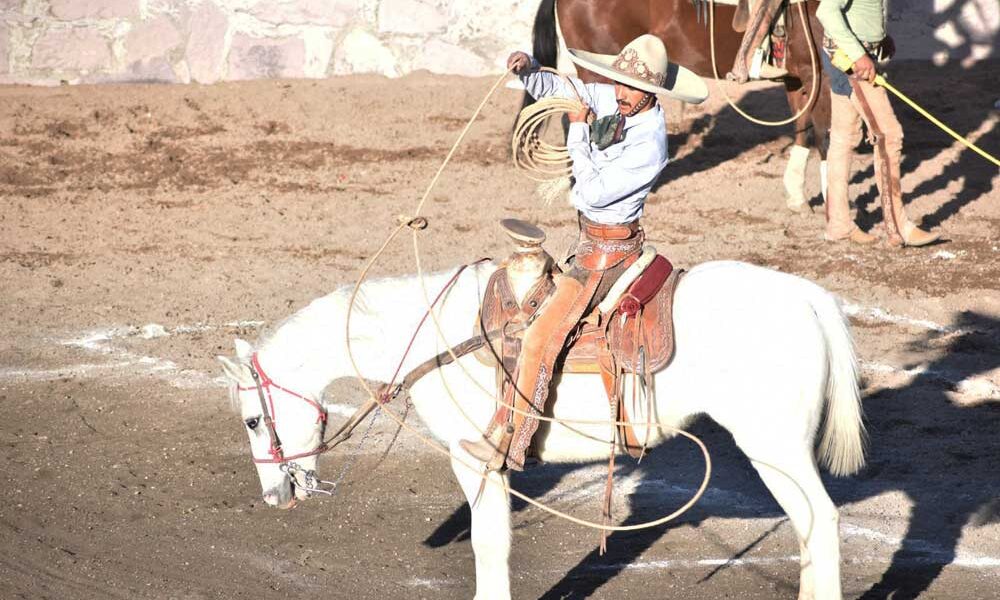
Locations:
{"points": [[769, 71], [761, 69]]}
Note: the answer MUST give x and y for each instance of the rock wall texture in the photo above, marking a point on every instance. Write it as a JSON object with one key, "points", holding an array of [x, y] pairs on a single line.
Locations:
{"points": [[93, 41]]}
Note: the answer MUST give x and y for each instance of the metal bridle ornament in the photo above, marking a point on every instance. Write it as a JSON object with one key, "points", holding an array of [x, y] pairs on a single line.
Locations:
{"points": [[305, 479]]}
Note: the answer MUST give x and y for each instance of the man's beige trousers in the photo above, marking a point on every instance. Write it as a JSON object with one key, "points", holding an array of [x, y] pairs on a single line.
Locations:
{"points": [[845, 133]]}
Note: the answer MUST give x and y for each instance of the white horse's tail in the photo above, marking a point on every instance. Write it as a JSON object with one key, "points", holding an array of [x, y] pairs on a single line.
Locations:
{"points": [[842, 447]]}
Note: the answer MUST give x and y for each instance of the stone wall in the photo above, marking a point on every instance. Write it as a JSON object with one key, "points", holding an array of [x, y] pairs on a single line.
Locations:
{"points": [[91, 41]]}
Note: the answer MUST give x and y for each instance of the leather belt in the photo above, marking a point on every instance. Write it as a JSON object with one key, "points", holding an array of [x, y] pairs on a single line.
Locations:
{"points": [[604, 246], [601, 231], [872, 48]]}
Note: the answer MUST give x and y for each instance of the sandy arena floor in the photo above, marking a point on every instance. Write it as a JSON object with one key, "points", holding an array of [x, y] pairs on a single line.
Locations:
{"points": [[216, 211]]}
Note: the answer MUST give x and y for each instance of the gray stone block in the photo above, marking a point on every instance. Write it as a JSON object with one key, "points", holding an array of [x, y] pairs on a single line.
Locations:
{"points": [[76, 49], [265, 58], [68, 10]]}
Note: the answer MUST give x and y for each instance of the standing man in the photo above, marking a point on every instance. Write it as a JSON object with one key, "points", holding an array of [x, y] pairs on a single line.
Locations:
{"points": [[857, 28], [618, 145]]}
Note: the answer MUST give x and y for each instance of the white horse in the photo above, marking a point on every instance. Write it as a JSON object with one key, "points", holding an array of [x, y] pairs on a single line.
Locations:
{"points": [[765, 354]]}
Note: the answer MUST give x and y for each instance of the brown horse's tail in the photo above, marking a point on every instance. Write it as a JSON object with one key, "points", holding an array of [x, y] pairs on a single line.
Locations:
{"points": [[545, 41]]}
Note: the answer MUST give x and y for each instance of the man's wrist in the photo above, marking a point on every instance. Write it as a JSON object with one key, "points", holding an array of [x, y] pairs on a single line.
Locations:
{"points": [[579, 133]]}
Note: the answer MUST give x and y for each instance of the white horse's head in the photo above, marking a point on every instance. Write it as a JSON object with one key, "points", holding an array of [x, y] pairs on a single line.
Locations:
{"points": [[285, 428]]}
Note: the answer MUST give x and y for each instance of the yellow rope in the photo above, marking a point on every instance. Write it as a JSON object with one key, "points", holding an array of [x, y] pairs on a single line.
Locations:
{"points": [[812, 59], [879, 80], [548, 156], [844, 63]]}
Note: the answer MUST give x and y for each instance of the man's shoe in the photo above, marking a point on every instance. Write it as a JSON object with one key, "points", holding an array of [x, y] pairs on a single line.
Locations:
{"points": [[916, 236], [489, 449], [861, 238], [855, 237]]}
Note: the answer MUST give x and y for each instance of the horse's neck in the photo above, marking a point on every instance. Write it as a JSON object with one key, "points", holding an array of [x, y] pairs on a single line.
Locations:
{"points": [[309, 350], [304, 352]]}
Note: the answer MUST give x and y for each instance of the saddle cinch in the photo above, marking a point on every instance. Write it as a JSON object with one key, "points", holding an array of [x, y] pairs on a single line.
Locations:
{"points": [[629, 334]]}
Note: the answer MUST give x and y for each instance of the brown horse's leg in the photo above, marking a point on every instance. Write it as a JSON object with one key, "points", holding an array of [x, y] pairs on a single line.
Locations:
{"points": [[795, 171], [805, 72]]}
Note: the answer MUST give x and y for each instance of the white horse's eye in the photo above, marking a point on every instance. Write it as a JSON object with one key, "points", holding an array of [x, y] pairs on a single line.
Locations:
{"points": [[251, 423]]}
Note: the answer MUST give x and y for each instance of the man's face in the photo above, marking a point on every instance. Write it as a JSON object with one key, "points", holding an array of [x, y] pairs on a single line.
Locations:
{"points": [[627, 97]]}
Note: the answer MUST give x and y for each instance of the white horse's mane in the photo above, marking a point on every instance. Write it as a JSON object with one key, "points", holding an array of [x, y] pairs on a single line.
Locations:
{"points": [[384, 316]]}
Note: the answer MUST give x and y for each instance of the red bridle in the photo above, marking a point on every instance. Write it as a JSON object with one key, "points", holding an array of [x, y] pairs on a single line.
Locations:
{"points": [[263, 385]]}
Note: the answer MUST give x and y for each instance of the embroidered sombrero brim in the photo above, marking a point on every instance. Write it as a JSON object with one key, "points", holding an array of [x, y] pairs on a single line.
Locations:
{"points": [[679, 82]]}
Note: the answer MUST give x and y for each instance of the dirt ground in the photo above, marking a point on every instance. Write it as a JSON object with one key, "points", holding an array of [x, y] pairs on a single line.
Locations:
{"points": [[144, 227]]}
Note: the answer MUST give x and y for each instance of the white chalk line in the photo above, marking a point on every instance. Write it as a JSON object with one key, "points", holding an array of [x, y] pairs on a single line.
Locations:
{"points": [[75, 371], [430, 584], [931, 553], [881, 315], [985, 563], [924, 553], [976, 387], [100, 341], [983, 387]]}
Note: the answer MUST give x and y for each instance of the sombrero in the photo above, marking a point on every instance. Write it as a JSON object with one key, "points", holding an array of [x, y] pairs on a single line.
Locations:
{"points": [[643, 64]]}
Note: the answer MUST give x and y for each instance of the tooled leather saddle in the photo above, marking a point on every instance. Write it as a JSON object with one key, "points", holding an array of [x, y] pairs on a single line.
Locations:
{"points": [[630, 335]]}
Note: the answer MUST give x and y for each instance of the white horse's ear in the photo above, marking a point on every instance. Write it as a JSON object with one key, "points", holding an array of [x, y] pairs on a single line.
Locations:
{"points": [[243, 349], [237, 372]]}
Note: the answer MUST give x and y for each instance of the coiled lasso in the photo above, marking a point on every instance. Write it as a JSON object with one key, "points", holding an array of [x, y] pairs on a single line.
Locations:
{"points": [[540, 160]]}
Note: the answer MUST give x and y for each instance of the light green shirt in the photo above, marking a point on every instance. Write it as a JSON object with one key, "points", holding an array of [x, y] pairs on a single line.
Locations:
{"points": [[847, 21]]}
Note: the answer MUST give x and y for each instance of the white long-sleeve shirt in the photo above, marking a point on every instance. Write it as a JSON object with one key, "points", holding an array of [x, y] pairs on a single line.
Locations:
{"points": [[611, 184]]}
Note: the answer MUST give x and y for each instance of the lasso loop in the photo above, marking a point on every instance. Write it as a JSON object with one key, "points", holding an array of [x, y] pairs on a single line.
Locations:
{"points": [[543, 155]]}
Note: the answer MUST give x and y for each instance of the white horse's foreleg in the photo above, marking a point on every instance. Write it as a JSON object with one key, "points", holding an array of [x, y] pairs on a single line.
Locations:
{"points": [[795, 178], [795, 484], [490, 527]]}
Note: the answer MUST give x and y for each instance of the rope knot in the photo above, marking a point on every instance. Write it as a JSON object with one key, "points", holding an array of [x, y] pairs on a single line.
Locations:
{"points": [[415, 223]]}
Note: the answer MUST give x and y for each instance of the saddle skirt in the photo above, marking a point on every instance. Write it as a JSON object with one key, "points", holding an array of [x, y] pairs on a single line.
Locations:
{"points": [[636, 329], [640, 342]]}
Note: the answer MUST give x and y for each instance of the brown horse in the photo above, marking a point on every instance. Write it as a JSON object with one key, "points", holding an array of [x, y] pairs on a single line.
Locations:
{"points": [[605, 26]]}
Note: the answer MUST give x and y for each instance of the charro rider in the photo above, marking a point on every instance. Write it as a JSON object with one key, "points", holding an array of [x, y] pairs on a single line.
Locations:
{"points": [[857, 28], [617, 156]]}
